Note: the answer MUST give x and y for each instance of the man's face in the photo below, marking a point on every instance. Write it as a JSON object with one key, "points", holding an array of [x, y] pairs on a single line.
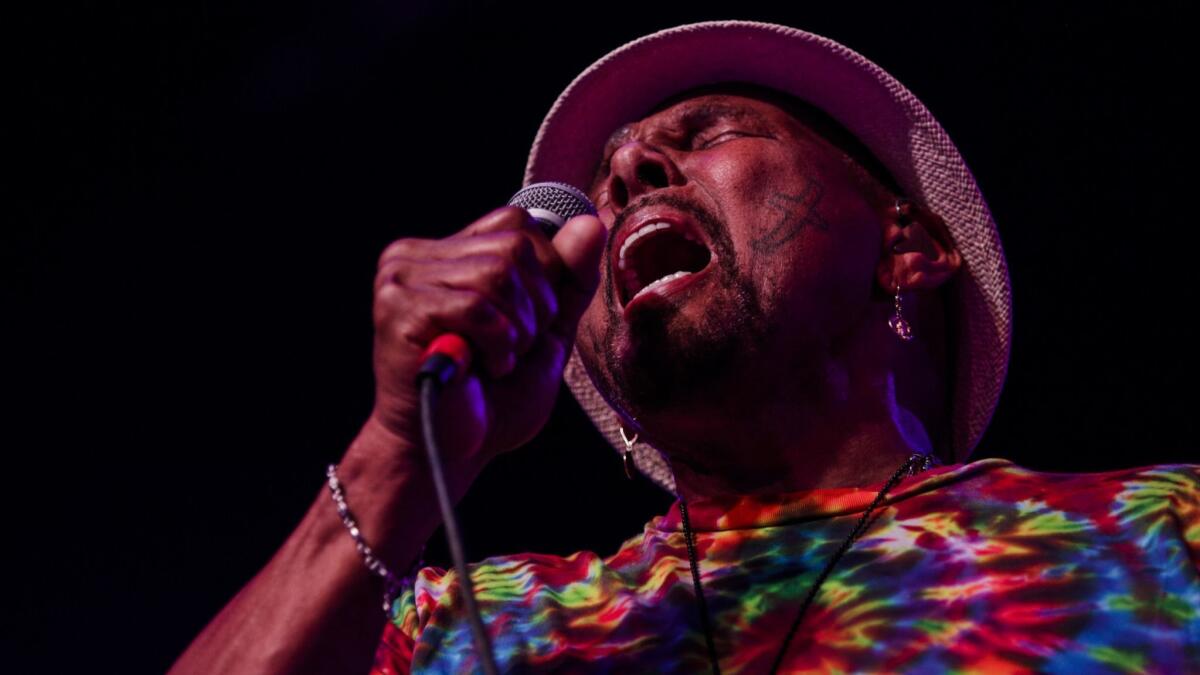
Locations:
{"points": [[740, 248]]}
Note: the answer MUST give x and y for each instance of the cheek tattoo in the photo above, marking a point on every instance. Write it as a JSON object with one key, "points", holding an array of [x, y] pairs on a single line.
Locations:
{"points": [[796, 211]]}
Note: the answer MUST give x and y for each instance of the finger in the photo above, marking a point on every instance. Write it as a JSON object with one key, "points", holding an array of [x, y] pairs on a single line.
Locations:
{"points": [[428, 311], [517, 219], [506, 218], [511, 243], [491, 275], [580, 246], [404, 257], [503, 218]]}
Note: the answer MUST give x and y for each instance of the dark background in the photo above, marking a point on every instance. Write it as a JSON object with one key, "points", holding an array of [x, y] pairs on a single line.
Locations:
{"points": [[204, 188]]}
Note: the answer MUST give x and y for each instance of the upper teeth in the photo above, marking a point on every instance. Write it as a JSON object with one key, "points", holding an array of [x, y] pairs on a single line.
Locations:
{"points": [[642, 231]]}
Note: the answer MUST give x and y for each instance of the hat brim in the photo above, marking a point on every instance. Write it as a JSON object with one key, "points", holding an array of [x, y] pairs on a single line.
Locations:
{"points": [[889, 120]]}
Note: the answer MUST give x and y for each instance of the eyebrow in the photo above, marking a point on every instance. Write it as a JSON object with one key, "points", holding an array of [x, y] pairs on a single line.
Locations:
{"points": [[709, 112]]}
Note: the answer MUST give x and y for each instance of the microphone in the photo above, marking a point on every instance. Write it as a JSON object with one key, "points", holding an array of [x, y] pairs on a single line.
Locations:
{"points": [[551, 205]]}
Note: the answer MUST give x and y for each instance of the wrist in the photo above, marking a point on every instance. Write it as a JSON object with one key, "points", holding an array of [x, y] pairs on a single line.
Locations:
{"points": [[387, 482], [396, 457], [393, 578]]}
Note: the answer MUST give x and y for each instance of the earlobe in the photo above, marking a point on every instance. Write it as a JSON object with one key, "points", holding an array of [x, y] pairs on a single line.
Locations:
{"points": [[918, 251]]}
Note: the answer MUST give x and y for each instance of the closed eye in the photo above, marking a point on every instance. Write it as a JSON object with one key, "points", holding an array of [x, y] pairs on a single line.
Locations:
{"points": [[708, 142]]}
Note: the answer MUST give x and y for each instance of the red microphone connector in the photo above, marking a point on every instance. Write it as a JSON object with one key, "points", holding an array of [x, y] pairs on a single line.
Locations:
{"points": [[445, 358]]}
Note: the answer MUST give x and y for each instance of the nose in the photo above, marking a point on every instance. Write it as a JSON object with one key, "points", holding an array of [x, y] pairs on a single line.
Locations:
{"points": [[637, 168]]}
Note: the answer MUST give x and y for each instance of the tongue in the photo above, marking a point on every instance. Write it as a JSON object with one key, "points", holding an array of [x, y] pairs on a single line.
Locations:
{"points": [[667, 254]]}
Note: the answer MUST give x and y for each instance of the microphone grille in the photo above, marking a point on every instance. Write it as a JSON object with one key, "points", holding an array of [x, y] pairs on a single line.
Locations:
{"points": [[553, 203]]}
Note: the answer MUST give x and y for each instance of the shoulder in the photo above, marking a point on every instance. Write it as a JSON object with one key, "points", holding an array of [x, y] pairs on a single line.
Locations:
{"points": [[521, 591], [1167, 481], [519, 577], [1111, 499]]}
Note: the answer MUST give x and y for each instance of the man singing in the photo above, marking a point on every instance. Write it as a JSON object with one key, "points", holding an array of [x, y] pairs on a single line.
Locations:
{"points": [[793, 311]]}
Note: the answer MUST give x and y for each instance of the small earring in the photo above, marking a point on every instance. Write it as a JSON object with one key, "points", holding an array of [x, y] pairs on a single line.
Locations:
{"points": [[629, 465], [898, 323]]}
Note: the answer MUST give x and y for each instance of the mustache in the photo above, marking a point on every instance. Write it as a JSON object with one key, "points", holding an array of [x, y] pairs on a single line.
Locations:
{"points": [[716, 230]]}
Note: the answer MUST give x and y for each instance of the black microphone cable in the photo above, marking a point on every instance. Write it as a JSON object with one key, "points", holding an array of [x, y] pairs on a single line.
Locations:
{"points": [[438, 370]]}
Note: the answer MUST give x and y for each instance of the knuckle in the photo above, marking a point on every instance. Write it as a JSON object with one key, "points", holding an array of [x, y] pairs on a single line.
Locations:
{"points": [[498, 220], [506, 282], [390, 275], [389, 301], [476, 308], [388, 295], [515, 215], [517, 246], [404, 332], [398, 248], [494, 268]]}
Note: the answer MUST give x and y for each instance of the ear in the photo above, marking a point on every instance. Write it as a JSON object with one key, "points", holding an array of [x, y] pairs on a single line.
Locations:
{"points": [[917, 249]]}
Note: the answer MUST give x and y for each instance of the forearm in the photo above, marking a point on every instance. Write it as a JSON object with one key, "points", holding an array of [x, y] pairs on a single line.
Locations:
{"points": [[315, 607], [517, 297]]}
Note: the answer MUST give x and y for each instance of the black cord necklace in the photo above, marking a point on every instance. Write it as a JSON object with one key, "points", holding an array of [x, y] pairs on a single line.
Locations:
{"points": [[916, 463]]}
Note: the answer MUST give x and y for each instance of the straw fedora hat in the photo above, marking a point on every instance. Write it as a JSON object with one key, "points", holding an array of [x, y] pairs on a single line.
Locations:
{"points": [[627, 83]]}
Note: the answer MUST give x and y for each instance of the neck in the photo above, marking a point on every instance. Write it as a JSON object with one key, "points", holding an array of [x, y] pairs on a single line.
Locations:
{"points": [[850, 432]]}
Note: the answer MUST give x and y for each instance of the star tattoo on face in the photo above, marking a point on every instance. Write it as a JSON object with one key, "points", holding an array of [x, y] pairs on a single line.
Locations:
{"points": [[796, 211]]}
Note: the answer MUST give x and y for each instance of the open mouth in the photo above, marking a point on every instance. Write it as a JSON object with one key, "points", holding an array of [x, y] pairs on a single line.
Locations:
{"points": [[657, 253]]}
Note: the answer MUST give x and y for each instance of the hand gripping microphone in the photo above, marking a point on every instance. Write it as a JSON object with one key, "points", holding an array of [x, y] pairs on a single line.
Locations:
{"points": [[552, 205]]}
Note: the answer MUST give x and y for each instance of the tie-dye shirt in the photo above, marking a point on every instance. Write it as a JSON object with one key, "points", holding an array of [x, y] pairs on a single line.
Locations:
{"points": [[979, 567]]}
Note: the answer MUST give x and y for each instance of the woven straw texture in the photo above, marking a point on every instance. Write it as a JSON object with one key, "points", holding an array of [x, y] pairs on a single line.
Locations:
{"points": [[628, 82]]}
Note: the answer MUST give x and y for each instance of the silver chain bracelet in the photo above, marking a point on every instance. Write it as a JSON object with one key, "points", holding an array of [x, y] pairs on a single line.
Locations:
{"points": [[391, 584]]}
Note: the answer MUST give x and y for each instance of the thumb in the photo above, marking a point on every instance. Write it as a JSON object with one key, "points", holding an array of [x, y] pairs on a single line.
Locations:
{"points": [[580, 245]]}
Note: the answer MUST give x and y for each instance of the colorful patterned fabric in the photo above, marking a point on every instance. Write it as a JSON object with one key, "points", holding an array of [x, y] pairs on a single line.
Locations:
{"points": [[983, 567]]}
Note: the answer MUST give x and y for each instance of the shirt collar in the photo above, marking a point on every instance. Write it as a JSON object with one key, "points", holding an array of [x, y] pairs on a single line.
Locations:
{"points": [[735, 513]]}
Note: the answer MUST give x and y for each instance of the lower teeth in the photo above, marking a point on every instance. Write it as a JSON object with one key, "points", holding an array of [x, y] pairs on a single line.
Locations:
{"points": [[660, 282]]}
